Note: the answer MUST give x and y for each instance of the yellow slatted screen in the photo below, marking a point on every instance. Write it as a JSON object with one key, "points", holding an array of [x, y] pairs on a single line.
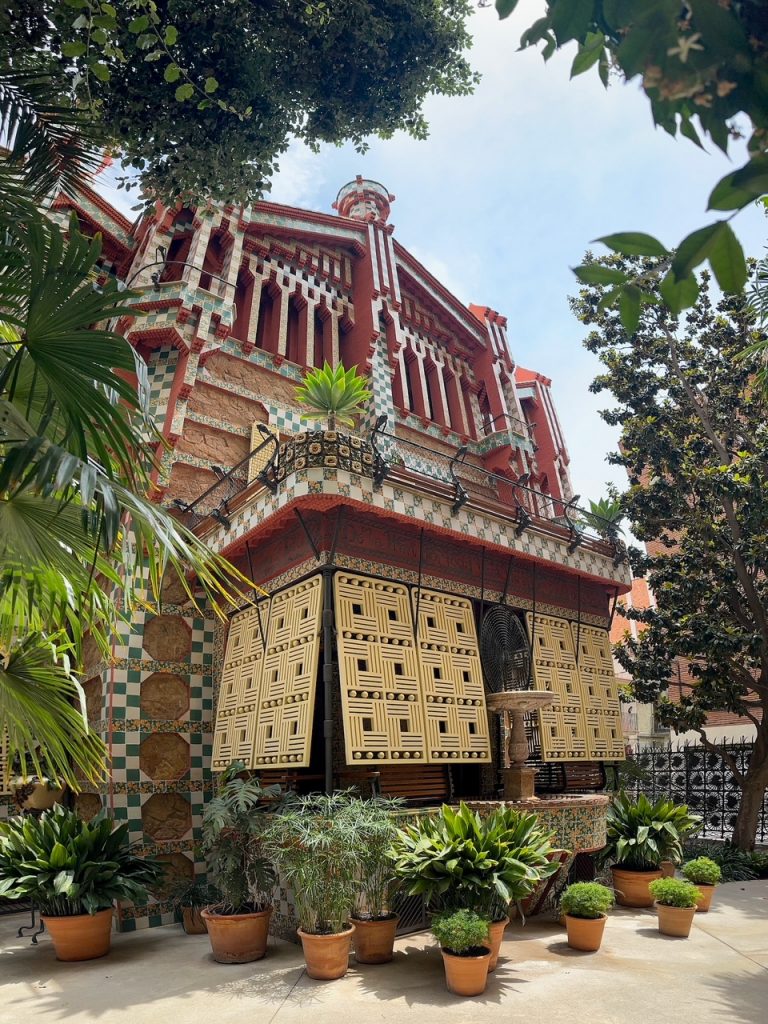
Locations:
{"points": [[235, 732], [452, 679], [289, 675], [380, 688], [258, 462], [605, 737], [584, 722]]}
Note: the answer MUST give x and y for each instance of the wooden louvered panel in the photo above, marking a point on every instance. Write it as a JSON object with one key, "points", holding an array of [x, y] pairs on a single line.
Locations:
{"points": [[605, 737], [452, 679], [289, 676], [562, 724], [380, 687], [238, 705]]}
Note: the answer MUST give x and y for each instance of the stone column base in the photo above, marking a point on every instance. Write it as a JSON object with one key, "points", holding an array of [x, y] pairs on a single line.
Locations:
{"points": [[518, 782]]}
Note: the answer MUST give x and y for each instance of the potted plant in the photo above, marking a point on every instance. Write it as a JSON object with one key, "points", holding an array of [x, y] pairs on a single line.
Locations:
{"points": [[73, 870], [585, 906], [463, 937], [238, 923], [374, 922], [704, 874], [641, 834], [189, 898], [459, 860], [333, 394], [34, 784], [675, 905], [317, 844]]}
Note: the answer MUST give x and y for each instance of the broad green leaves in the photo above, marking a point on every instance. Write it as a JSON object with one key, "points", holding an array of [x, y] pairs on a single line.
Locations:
{"points": [[738, 189], [718, 244], [634, 243]]}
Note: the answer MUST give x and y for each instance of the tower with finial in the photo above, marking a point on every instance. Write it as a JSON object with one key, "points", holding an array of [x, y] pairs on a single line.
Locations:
{"points": [[363, 199]]}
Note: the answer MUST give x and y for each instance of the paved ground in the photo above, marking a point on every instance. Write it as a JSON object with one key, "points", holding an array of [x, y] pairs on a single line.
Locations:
{"points": [[718, 976]]}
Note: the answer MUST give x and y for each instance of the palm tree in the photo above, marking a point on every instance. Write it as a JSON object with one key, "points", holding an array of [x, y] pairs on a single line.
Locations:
{"points": [[80, 542]]}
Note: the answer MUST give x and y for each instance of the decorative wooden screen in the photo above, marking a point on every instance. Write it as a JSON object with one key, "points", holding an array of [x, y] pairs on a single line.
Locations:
{"points": [[584, 722], [235, 733], [605, 737], [380, 688], [260, 461], [289, 675], [452, 679]]}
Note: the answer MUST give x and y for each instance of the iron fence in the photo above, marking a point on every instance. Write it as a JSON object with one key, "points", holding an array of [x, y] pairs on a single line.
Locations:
{"points": [[698, 777]]}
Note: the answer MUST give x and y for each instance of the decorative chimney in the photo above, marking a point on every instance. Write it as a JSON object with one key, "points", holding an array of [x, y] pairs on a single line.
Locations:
{"points": [[363, 199]]}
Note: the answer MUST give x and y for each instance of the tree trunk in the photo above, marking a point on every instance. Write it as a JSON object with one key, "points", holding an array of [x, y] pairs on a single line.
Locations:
{"points": [[752, 792]]}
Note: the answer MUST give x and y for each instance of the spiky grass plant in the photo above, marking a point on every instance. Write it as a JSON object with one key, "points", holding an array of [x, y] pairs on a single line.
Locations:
{"points": [[377, 882], [333, 394]]}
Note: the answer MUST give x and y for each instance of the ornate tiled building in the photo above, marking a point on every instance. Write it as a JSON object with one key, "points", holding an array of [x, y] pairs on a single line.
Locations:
{"points": [[375, 554]]}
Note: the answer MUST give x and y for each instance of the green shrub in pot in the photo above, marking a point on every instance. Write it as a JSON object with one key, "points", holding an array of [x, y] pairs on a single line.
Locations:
{"points": [[675, 905], [702, 871], [588, 900], [463, 935]]}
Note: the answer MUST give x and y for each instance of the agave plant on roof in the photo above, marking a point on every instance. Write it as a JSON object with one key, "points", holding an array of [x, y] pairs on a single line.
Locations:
{"points": [[333, 394]]}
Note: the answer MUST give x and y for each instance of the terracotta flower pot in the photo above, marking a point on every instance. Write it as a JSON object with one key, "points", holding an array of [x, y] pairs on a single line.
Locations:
{"points": [[667, 869], [237, 938], [675, 921], [82, 936], [704, 901], [495, 938], [631, 887], [374, 939], [326, 956], [192, 921], [585, 933], [466, 975]]}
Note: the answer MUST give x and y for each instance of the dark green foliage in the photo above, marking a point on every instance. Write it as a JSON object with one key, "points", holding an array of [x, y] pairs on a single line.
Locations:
{"points": [[461, 932], [694, 445], [735, 865], [233, 823], [702, 871], [69, 866], [586, 899], [201, 98], [671, 892], [195, 894], [641, 834], [460, 860]]}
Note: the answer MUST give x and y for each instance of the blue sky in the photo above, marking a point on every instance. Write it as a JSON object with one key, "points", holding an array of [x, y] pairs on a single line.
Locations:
{"points": [[508, 191]]}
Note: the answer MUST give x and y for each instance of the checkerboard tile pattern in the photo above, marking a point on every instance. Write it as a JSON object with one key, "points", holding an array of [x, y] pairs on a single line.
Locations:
{"points": [[161, 371]]}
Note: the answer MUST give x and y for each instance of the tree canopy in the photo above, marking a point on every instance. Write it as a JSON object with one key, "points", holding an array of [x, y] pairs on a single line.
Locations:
{"points": [[694, 443], [703, 64], [201, 98]]}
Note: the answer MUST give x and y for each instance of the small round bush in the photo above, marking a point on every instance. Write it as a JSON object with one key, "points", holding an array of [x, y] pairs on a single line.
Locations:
{"points": [[702, 871], [586, 899], [671, 892], [463, 932]]}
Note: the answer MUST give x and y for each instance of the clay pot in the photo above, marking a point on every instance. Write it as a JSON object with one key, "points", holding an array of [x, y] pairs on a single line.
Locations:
{"points": [[466, 975], [82, 936], [585, 933], [374, 939], [326, 956], [192, 921], [675, 921], [704, 901], [237, 938], [631, 887], [495, 937], [667, 869], [36, 796]]}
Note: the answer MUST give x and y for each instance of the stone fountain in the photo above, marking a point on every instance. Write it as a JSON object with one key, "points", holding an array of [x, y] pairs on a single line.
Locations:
{"points": [[512, 706]]}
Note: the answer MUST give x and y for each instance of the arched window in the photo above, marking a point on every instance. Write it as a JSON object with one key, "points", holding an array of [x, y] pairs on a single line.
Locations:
{"points": [[266, 332], [411, 369], [243, 305], [318, 344], [216, 254], [294, 349], [453, 394], [485, 412], [178, 250]]}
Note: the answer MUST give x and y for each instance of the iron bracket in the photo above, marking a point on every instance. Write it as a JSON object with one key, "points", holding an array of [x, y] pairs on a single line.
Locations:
{"points": [[380, 464], [460, 496]]}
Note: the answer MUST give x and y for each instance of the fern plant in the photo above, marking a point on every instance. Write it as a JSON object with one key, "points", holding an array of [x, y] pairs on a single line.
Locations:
{"points": [[460, 860], [232, 827], [333, 394]]}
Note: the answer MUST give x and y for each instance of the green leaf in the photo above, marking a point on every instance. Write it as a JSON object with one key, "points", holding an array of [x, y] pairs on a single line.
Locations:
{"points": [[695, 248], [687, 129], [738, 189], [184, 92], [73, 49], [101, 71], [138, 25], [679, 295], [726, 258], [171, 35], [629, 308], [211, 85], [505, 7], [589, 54], [172, 73], [634, 243], [571, 18], [595, 273]]}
